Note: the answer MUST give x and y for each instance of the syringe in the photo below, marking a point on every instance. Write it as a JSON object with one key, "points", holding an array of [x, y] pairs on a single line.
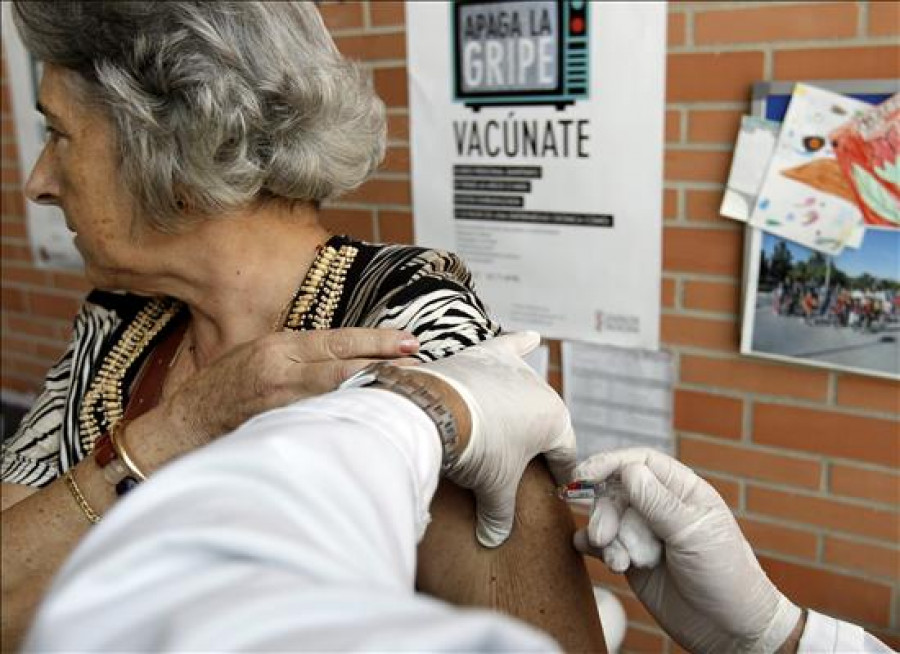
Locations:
{"points": [[585, 489]]}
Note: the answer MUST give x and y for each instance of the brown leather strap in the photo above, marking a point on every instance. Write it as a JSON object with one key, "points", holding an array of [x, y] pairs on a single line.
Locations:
{"points": [[148, 386]]}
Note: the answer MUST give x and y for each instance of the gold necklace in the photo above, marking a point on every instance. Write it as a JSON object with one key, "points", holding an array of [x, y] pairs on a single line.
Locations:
{"points": [[103, 404]]}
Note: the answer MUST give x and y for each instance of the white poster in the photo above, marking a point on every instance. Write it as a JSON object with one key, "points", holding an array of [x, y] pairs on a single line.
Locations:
{"points": [[537, 149], [51, 242], [618, 397]]}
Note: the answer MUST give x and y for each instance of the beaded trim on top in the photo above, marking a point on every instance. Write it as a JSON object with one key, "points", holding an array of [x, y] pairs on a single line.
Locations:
{"points": [[322, 289], [103, 405]]}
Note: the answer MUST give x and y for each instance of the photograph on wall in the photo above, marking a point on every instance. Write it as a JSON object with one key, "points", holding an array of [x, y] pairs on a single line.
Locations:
{"points": [[840, 312], [536, 132]]}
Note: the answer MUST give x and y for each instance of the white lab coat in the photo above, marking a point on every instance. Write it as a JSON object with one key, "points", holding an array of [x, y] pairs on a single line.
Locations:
{"points": [[298, 532]]}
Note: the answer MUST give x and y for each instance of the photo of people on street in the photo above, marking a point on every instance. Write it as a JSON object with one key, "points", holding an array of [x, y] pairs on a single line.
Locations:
{"points": [[837, 311]]}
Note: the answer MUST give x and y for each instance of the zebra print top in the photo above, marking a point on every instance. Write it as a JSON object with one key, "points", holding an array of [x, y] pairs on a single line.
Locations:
{"points": [[427, 292]]}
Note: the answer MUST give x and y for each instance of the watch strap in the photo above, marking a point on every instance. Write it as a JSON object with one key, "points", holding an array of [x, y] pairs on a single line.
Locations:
{"points": [[408, 384]]}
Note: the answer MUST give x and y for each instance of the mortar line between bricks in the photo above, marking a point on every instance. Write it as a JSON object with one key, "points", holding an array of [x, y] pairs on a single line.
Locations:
{"points": [[819, 561], [373, 223], [27, 357], [42, 320], [371, 30], [736, 356], [862, 19], [813, 530], [895, 608], [700, 313], [714, 225], [367, 17], [756, 447], [723, 4], [839, 43], [817, 494], [680, 204], [789, 454], [703, 277], [700, 147], [49, 289], [707, 105], [831, 389], [734, 478], [794, 402], [693, 185], [830, 567], [34, 338], [384, 64], [820, 564], [368, 206], [688, 27], [389, 176], [747, 420], [820, 549]]}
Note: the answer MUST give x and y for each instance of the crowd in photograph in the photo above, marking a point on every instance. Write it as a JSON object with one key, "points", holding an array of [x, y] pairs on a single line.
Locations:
{"points": [[836, 305]]}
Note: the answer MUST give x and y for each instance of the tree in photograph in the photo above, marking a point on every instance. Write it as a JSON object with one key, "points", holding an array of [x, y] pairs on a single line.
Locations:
{"points": [[865, 282], [816, 267], [782, 261]]}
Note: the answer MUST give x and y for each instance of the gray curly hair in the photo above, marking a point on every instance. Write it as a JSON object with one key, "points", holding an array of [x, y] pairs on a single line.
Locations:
{"points": [[216, 104]]}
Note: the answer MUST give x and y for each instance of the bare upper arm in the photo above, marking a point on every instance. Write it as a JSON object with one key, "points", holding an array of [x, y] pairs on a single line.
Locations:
{"points": [[11, 494], [536, 576]]}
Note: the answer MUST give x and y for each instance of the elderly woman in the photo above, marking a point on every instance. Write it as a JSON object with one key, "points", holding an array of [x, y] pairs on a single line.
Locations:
{"points": [[189, 146]]}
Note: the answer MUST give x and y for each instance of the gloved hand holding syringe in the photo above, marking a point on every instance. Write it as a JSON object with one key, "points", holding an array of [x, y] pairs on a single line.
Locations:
{"points": [[622, 532], [708, 592]]}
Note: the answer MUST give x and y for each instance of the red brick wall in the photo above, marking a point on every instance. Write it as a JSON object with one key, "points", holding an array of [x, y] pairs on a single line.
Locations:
{"points": [[808, 459]]}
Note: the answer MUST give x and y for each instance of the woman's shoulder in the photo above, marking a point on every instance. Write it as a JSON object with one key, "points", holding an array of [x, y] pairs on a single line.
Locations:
{"points": [[408, 262]]}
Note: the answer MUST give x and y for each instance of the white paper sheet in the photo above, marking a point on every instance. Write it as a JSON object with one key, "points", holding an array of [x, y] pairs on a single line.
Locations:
{"points": [[618, 397], [805, 197], [540, 162], [752, 152]]}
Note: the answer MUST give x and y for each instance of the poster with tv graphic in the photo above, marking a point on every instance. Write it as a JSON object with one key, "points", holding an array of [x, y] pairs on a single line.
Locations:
{"points": [[536, 132]]}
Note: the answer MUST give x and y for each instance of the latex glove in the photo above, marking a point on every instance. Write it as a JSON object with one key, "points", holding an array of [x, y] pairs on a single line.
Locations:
{"points": [[709, 591], [515, 417]]}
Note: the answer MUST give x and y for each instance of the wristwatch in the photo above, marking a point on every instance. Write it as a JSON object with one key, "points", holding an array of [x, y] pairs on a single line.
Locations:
{"points": [[407, 383]]}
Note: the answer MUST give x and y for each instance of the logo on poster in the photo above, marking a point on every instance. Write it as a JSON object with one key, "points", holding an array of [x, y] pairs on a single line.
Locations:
{"points": [[611, 322], [520, 52]]}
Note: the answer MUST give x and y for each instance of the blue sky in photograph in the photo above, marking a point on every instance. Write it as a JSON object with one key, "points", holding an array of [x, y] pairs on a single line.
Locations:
{"points": [[879, 255]]}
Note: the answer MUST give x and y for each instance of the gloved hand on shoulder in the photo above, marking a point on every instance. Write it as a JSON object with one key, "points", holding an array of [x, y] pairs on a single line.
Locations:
{"points": [[708, 591], [515, 417]]}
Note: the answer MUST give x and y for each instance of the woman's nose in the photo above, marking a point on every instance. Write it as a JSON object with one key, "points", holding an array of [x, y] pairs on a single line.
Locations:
{"points": [[42, 186]]}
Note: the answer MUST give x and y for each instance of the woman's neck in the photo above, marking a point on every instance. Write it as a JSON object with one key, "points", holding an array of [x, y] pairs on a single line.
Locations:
{"points": [[238, 274]]}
